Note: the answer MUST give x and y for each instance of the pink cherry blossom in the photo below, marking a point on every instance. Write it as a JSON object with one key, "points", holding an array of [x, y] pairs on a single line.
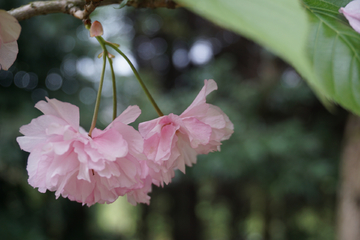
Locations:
{"points": [[96, 169], [172, 141], [9, 33], [352, 14]]}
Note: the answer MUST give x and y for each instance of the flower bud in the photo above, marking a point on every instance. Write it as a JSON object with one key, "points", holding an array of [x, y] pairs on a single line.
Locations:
{"points": [[96, 29]]}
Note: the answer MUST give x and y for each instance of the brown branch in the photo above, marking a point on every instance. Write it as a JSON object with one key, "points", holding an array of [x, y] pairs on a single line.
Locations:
{"points": [[80, 9]]}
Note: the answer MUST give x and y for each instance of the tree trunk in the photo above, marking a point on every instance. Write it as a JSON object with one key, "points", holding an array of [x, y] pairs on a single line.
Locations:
{"points": [[349, 195]]}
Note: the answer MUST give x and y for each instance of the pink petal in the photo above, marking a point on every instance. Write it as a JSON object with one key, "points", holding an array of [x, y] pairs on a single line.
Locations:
{"points": [[140, 195], [209, 86], [352, 14], [198, 132], [129, 168], [187, 156], [79, 190], [63, 110], [35, 132], [62, 164], [218, 123], [166, 141], [8, 54], [37, 167], [27, 144], [111, 169], [129, 115], [133, 137], [151, 146], [9, 27], [149, 128], [37, 126], [109, 143], [215, 117], [62, 147]]}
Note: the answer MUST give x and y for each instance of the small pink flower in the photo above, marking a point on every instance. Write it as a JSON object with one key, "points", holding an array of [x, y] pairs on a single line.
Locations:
{"points": [[352, 14], [172, 141], [96, 169], [9, 33], [96, 29]]}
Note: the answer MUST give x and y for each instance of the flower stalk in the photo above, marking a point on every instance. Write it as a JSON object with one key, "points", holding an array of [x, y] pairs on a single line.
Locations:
{"points": [[96, 31], [114, 87], [98, 97], [157, 109]]}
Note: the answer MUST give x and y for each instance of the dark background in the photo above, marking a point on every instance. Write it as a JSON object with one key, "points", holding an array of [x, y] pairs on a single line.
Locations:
{"points": [[275, 179]]}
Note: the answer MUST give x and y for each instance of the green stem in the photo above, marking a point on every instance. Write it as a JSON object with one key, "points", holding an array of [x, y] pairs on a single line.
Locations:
{"points": [[114, 87], [98, 97], [138, 78]]}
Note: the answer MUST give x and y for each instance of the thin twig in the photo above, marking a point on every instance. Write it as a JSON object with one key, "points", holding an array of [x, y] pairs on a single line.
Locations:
{"points": [[80, 9]]}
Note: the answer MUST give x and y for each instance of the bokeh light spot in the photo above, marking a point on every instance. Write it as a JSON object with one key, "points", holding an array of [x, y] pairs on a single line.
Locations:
{"points": [[87, 95], [53, 81], [180, 58], [201, 52]]}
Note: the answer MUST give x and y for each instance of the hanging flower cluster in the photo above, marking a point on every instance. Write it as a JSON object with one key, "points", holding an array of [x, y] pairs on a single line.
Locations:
{"points": [[100, 166], [118, 160]]}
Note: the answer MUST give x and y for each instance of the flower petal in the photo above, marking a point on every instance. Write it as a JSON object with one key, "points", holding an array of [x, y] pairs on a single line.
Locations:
{"points": [[8, 54], [9, 27], [198, 132], [209, 86], [352, 14], [129, 115], [109, 143], [63, 110]]}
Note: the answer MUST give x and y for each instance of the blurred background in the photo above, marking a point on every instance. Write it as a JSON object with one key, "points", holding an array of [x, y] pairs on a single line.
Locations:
{"points": [[275, 179]]}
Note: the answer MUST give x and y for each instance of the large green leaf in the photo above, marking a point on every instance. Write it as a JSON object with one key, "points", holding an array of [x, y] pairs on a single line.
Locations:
{"points": [[334, 53], [314, 38]]}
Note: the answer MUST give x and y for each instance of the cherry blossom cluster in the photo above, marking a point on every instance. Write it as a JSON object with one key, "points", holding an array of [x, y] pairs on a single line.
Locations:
{"points": [[100, 166], [118, 160]]}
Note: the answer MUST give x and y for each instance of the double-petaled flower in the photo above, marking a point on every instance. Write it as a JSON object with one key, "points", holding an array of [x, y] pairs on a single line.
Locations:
{"points": [[173, 142], [63, 158]]}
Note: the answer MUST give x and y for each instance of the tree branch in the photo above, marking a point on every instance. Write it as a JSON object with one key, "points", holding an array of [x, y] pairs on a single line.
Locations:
{"points": [[349, 194], [80, 9]]}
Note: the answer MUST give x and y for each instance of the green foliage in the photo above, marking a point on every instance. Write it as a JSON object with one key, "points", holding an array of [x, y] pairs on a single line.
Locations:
{"points": [[339, 3], [330, 63], [334, 52]]}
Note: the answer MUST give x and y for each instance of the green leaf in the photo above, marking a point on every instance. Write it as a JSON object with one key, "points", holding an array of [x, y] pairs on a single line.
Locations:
{"points": [[334, 53], [338, 3], [280, 25], [314, 38], [122, 4]]}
